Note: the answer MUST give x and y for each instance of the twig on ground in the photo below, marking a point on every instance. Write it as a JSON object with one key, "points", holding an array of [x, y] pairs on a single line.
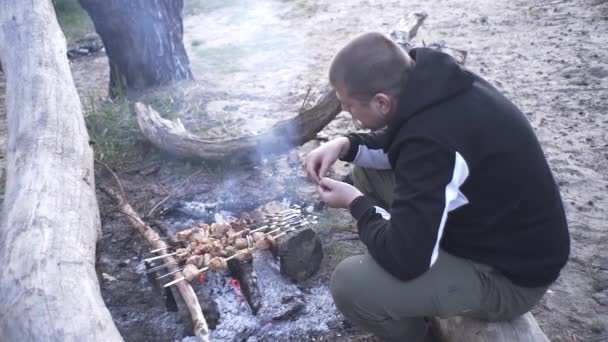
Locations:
{"points": [[170, 194], [122, 190], [305, 101]]}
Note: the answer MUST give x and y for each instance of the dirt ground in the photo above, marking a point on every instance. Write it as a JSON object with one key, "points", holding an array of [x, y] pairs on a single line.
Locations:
{"points": [[258, 58]]}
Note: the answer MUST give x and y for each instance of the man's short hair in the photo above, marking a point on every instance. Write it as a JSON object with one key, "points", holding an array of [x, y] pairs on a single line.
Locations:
{"points": [[369, 64]]}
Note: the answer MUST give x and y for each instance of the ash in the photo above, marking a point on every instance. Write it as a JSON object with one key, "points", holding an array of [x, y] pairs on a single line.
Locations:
{"points": [[288, 312]]}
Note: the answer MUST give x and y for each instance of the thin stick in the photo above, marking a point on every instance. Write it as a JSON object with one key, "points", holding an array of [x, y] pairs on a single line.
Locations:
{"points": [[305, 100], [201, 329], [171, 194], [122, 190]]}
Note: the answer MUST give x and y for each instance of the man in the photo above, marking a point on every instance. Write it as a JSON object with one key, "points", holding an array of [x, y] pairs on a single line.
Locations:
{"points": [[453, 196]]}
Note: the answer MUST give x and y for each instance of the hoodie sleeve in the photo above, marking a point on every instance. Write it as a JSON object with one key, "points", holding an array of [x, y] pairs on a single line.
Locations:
{"points": [[428, 177], [367, 150]]}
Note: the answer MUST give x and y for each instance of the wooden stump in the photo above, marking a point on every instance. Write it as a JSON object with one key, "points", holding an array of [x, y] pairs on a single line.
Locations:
{"points": [[300, 253], [462, 329]]}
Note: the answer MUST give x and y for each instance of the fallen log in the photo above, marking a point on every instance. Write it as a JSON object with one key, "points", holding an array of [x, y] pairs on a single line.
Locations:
{"points": [[188, 295], [462, 329], [49, 290], [172, 136]]}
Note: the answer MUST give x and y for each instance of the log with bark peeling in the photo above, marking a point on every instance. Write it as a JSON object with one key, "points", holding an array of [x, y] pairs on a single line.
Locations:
{"points": [[172, 136], [49, 226], [153, 239]]}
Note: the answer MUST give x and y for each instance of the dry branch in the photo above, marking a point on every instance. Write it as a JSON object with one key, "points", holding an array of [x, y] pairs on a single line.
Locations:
{"points": [[172, 136], [153, 239]]}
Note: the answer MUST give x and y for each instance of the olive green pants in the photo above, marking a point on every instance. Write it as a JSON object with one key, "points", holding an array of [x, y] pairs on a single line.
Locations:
{"points": [[395, 310]]}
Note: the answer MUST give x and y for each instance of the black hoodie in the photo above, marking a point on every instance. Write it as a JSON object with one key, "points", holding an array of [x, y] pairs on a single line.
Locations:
{"points": [[471, 179]]}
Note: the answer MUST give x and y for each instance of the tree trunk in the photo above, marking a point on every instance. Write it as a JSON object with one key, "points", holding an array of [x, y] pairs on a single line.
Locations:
{"points": [[50, 223], [143, 41]]}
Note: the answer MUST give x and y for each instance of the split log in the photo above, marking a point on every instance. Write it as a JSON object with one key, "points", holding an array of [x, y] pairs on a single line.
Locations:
{"points": [[49, 290], [172, 136], [300, 254], [462, 329], [201, 329]]}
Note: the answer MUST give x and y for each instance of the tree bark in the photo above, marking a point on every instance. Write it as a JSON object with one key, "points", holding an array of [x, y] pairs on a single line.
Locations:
{"points": [[143, 41], [50, 223]]}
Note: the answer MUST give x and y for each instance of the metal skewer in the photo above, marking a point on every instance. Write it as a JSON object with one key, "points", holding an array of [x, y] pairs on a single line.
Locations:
{"points": [[160, 249], [207, 267], [273, 225], [170, 273], [286, 223], [156, 268], [159, 257]]}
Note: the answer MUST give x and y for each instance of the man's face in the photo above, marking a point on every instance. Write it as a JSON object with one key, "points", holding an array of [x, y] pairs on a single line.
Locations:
{"points": [[367, 113]]}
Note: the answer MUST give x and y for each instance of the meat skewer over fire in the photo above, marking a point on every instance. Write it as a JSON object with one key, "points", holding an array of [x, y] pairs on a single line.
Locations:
{"points": [[210, 247]]}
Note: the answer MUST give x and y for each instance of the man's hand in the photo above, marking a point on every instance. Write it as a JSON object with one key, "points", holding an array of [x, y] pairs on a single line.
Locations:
{"points": [[323, 157], [337, 194]]}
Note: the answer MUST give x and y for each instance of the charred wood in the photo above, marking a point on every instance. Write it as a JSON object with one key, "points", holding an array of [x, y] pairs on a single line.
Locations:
{"points": [[247, 278]]}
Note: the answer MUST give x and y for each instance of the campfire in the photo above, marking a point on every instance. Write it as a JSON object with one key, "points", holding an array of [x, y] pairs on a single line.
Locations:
{"points": [[281, 246], [210, 247]]}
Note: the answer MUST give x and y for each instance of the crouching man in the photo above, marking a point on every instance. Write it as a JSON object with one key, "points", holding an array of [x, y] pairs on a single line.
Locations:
{"points": [[453, 196]]}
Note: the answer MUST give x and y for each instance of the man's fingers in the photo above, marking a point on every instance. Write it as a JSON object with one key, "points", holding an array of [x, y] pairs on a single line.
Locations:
{"points": [[312, 168], [328, 182], [323, 169]]}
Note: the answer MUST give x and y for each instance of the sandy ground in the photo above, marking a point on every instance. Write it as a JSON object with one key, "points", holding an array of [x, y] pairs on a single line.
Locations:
{"points": [[548, 57]]}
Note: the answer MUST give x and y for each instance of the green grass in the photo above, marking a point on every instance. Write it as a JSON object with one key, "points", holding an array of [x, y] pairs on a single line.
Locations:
{"points": [[73, 19], [112, 127]]}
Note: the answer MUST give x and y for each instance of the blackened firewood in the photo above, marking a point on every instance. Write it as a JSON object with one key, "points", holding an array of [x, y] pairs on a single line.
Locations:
{"points": [[245, 274], [300, 253]]}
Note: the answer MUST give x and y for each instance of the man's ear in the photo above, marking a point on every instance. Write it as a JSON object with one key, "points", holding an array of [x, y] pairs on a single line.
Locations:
{"points": [[383, 103]]}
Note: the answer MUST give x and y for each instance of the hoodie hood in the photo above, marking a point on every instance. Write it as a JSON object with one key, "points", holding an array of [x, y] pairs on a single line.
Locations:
{"points": [[436, 77]]}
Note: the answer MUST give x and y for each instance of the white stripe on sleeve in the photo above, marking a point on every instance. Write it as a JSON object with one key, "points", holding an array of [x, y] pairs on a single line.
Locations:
{"points": [[453, 198]]}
